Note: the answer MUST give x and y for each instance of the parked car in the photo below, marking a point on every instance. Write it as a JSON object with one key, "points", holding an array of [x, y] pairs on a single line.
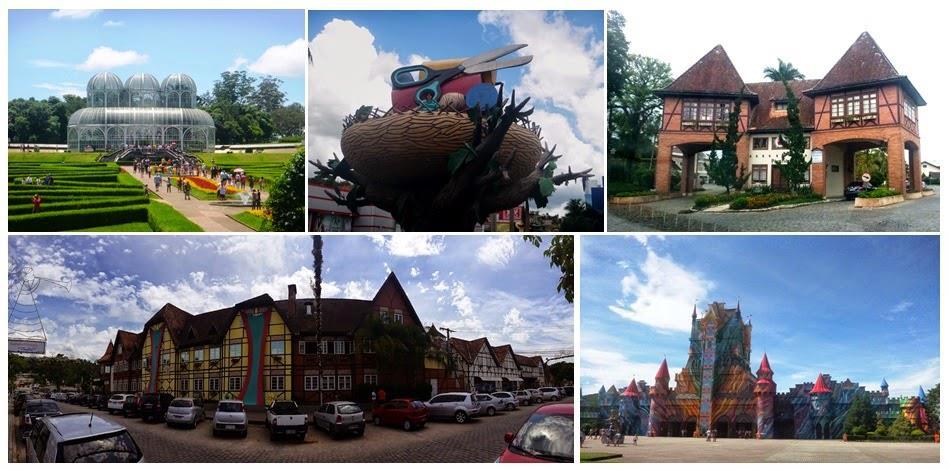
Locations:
{"points": [[131, 406], [536, 396], [569, 391], [405, 412], [154, 405], [92, 400], [458, 406], [549, 393], [81, 438], [103, 403], [284, 417], [230, 417], [339, 417], [523, 397], [546, 436], [488, 404], [508, 400], [117, 402], [560, 392], [852, 190], [187, 411], [33, 410]]}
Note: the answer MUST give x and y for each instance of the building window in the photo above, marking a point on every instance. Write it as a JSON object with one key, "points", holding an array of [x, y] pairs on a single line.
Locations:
{"points": [[855, 106], [339, 347], [384, 314], [214, 384], [397, 316], [837, 107], [198, 385], [345, 382], [328, 382], [235, 350], [276, 382], [199, 355], [276, 347], [909, 110], [690, 111], [807, 143], [234, 384], [759, 143], [184, 356], [780, 106], [324, 346], [215, 353], [869, 103], [311, 383], [367, 346], [309, 347], [759, 174], [370, 379], [165, 359], [776, 143], [183, 385]]}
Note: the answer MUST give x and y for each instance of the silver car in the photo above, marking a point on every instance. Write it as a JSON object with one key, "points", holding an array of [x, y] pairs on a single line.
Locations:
{"points": [[536, 396], [488, 404], [550, 393], [508, 400], [81, 438], [230, 417], [523, 397], [186, 411], [340, 417], [458, 406]]}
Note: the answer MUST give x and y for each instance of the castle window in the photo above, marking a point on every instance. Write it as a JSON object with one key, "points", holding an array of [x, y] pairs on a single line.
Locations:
{"points": [[759, 143], [759, 174]]}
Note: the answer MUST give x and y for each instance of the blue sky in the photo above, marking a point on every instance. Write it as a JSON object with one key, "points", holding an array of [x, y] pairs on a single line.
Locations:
{"points": [[355, 53], [56, 52], [500, 287], [861, 307]]}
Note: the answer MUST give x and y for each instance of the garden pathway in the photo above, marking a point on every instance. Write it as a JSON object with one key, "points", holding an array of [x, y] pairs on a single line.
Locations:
{"points": [[209, 217]]}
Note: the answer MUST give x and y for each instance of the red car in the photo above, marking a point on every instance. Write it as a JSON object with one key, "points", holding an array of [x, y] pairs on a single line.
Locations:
{"points": [[404, 412], [546, 436]]}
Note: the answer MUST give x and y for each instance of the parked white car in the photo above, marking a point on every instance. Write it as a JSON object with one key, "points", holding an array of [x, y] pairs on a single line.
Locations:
{"points": [[187, 411], [488, 404], [549, 393], [285, 417], [508, 400], [117, 401], [230, 416], [523, 397], [536, 396]]}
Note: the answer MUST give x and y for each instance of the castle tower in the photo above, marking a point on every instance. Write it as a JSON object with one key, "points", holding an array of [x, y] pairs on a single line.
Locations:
{"points": [[659, 405], [630, 406], [885, 388], [820, 406], [764, 394]]}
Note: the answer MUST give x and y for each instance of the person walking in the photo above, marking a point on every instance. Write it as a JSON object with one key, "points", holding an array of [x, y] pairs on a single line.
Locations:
{"points": [[37, 201], [187, 190], [168, 184]]}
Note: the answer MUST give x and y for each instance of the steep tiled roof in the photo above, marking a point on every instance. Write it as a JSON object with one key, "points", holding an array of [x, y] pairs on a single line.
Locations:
{"points": [[713, 74], [107, 357], [340, 316], [175, 319], [769, 92], [469, 349], [532, 361], [131, 344]]}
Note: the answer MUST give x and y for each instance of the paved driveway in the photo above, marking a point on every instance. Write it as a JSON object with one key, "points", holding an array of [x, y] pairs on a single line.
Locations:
{"points": [[918, 215]]}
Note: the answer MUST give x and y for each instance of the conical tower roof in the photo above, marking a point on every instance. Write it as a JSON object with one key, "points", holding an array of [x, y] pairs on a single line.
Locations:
{"points": [[713, 75], [820, 386], [663, 371], [765, 365], [632, 390]]}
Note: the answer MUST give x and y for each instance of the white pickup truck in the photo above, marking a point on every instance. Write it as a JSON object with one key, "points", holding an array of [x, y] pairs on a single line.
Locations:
{"points": [[285, 418]]}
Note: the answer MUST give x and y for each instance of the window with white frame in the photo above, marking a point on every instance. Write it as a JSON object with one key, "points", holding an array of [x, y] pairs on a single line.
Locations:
{"points": [[328, 382], [759, 174], [214, 353], [235, 350], [214, 384], [909, 110], [276, 382], [199, 355], [309, 347], [276, 347], [165, 359], [198, 385], [234, 384], [370, 379], [345, 382], [311, 383], [367, 346], [397, 317], [184, 356], [183, 385], [339, 347], [384, 314]]}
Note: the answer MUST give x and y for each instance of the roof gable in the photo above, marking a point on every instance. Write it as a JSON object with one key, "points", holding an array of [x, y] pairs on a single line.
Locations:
{"points": [[770, 92], [713, 74], [864, 62], [392, 283]]}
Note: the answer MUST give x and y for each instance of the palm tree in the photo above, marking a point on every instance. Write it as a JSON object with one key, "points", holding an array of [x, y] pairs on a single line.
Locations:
{"points": [[317, 287], [784, 73]]}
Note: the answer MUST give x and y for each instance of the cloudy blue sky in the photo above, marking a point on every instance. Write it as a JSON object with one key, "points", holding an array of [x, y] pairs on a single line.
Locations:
{"points": [[861, 307], [355, 52], [500, 287], [55, 52]]}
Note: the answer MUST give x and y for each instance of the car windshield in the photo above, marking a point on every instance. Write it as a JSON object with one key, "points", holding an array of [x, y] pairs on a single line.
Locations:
{"points": [[115, 448], [546, 437], [348, 409], [41, 408], [230, 407], [418, 404], [284, 407], [180, 404], [117, 397]]}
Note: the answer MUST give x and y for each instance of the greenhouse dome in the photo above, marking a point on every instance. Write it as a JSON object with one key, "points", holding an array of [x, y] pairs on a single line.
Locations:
{"points": [[140, 112]]}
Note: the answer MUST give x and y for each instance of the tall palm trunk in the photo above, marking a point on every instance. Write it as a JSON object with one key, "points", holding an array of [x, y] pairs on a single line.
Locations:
{"points": [[317, 287]]}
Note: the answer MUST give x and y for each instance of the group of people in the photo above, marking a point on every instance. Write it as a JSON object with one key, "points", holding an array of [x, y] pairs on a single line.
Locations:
{"points": [[45, 181], [255, 199], [607, 436]]}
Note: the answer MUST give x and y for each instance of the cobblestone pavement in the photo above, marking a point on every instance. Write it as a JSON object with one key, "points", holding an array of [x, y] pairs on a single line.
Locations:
{"points": [[671, 449], [919, 215], [480, 440]]}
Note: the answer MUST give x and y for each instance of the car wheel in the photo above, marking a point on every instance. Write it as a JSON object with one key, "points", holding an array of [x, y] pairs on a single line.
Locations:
{"points": [[361, 432], [376, 421], [509, 407], [407, 425], [214, 432], [461, 417], [491, 411], [243, 434], [194, 424]]}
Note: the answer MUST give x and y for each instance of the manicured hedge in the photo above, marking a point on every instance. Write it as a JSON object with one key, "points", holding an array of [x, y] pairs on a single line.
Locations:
{"points": [[75, 219], [78, 204], [771, 200], [709, 200], [77, 192], [878, 193]]}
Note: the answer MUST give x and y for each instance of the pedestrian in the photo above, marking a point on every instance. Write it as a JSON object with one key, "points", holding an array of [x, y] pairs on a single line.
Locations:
{"points": [[37, 200], [168, 184], [708, 435], [157, 182], [635, 439], [382, 394], [187, 190], [374, 398]]}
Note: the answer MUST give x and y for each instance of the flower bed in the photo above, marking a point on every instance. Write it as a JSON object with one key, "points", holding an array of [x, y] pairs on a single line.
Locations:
{"points": [[207, 185], [709, 200], [770, 200]]}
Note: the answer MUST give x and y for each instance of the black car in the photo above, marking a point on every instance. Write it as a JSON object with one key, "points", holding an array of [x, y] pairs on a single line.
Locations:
{"points": [[92, 401], [854, 189], [102, 403], [154, 405], [34, 410], [130, 407]]}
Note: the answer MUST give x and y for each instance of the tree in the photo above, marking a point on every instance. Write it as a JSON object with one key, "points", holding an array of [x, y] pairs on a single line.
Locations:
{"points": [[581, 218], [872, 162], [793, 165], [860, 415], [33, 121], [560, 254], [288, 120], [400, 349], [237, 118], [286, 196], [723, 166], [268, 96], [932, 408], [561, 373], [900, 427], [617, 54], [317, 287]]}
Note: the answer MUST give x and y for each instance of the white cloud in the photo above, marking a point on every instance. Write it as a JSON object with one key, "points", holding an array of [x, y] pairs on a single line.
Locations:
{"points": [[925, 373], [607, 368], [410, 245], [344, 46], [62, 89], [282, 60], [113, 24], [662, 294], [440, 286], [901, 307], [73, 14], [515, 327], [238, 63], [415, 272], [577, 155], [48, 64], [643, 239], [104, 58], [497, 251], [460, 299]]}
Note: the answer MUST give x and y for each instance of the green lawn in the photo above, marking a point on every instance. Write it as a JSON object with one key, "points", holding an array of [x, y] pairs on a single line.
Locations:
{"points": [[598, 456], [259, 224], [164, 218], [68, 157], [129, 227], [267, 165]]}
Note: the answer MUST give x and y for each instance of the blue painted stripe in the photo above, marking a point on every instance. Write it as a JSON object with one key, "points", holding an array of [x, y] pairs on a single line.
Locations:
{"points": [[255, 344]]}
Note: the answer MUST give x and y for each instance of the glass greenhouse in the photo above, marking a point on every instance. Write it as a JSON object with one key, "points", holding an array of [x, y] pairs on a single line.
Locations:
{"points": [[140, 112]]}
